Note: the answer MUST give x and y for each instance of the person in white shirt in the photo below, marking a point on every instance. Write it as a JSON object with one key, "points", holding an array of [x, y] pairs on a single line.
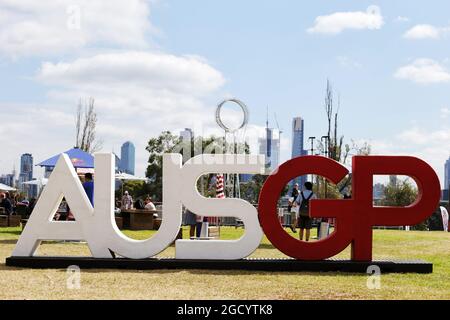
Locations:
{"points": [[149, 205], [127, 201], [302, 201], [444, 214]]}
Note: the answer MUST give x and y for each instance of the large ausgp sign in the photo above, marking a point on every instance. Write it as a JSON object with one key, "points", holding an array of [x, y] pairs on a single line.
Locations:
{"points": [[355, 217]]}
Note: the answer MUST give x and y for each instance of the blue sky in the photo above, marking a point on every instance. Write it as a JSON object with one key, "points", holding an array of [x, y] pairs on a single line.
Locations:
{"points": [[388, 60]]}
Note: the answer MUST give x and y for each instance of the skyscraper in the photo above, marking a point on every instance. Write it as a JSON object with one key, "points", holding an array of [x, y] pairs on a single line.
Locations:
{"points": [[269, 146], [26, 174], [116, 162], [298, 141], [187, 136], [26, 166], [127, 158], [447, 175]]}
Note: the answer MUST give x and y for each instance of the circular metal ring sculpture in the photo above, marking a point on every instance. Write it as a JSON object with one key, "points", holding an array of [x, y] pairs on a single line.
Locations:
{"points": [[244, 110]]}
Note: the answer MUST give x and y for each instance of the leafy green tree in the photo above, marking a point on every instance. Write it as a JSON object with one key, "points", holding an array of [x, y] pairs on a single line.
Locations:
{"points": [[401, 194], [167, 142], [137, 189]]}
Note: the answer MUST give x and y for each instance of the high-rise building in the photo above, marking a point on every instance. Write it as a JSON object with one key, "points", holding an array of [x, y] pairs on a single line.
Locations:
{"points": [[298, 144], [127, 158], [393, 180], [269, 146], [8, 179], [378, 191], [447, 175], [26, 174], [116, 162], [26, 166], [187, 136]]}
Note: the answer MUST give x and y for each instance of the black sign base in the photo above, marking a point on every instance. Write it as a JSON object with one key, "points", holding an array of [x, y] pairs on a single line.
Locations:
{"points": [[271, 265]]}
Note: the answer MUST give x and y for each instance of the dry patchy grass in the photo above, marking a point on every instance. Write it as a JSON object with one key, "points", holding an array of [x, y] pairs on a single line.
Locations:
{"points": [[196, 284]]}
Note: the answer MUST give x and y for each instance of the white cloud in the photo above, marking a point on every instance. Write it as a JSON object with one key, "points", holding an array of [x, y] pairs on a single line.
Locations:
{"points": [[423, 71], [338, 22], [425, 31], [137, 95], [43, 131], [138, 92], [49, 27], [157, 71], [429, 145]]}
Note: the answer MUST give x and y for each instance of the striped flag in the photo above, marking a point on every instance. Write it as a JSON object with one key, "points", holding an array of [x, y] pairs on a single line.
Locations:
{"points": [[220, 193]]}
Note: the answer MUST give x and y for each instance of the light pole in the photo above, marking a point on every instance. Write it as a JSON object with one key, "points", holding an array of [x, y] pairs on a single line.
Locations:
{"points": [[326, 147], [312, 153], [312, 144]]}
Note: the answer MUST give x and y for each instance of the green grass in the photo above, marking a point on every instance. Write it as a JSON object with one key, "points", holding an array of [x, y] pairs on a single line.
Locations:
{"points": [[188, 284]]}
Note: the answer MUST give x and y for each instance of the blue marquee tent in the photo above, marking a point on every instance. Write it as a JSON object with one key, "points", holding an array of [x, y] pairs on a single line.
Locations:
{"points": [[79, 158]]}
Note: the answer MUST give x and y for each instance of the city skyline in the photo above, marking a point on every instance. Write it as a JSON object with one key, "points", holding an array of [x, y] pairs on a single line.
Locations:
{"points": [[388, 65]]}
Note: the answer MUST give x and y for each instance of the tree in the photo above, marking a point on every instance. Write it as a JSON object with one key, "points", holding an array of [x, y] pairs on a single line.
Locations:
{"points": [[85, 125], [167, 142], [335, 149], [399, 194], [332, 147], [137, 189], [402, 194]]}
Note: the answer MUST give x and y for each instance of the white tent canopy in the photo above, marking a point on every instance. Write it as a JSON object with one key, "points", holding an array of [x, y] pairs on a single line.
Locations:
{"points": [[4, 187], [38, 182], [129, 177]]}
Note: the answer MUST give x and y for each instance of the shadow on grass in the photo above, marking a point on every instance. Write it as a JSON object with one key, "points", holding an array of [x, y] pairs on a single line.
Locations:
{"points": [[11, 241], [196, 272], [10, 232]]}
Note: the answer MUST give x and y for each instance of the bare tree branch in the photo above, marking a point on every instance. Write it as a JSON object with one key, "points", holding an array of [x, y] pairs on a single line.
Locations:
{"points": [[86, 122]]}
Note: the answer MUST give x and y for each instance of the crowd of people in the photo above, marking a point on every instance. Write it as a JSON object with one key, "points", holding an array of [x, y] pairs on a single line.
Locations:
{"points": [[12, 202]]}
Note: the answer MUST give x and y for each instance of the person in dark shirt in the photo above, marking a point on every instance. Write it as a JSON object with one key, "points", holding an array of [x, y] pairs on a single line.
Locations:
{"points": [[88, 186], [31, 206], [6, 204], [293, 215]]}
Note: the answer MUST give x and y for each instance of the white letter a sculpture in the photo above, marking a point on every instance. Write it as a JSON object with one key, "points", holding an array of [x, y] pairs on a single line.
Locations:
{"points": [[63, 182]]}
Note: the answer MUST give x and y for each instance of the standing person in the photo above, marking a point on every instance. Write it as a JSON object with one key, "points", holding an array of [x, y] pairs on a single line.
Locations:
{"points": [[31, 206], [127, 201], [6, 204], [12, 200], [293, 213], [445, 218], [191, 221], [302, 202], [88, 186]]}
